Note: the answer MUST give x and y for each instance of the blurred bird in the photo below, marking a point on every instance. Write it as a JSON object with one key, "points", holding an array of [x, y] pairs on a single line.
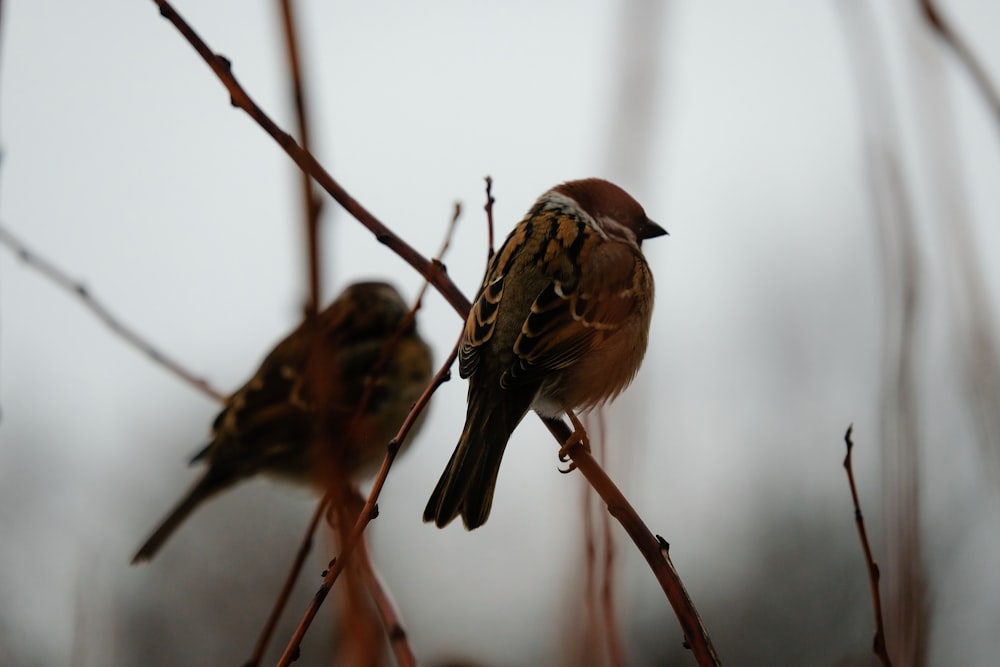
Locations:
{"points": [[560, 323], [322, 406]]}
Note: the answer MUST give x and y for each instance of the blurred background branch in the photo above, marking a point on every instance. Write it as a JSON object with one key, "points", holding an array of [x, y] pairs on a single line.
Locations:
{"points": [[902, 284], [102, 313], [965, 53]]}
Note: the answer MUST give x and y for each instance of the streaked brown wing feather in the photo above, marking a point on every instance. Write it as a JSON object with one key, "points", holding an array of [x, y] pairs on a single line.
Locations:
{"points": [[573, 315], [267, 418], [479, 325]]}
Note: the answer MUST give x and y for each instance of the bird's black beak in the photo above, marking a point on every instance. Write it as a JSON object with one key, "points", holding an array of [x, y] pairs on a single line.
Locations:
{"points": [[650, 230]]}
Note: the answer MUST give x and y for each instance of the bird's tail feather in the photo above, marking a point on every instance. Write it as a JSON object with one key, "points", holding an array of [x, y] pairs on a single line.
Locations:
{"points": [[202, 490], [467, 485]]}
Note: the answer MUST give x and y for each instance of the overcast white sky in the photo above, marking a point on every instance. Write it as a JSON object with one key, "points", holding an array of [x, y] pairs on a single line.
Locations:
{"points": [[124, 163]]}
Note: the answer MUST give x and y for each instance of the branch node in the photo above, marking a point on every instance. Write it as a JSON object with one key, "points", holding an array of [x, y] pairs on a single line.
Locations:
{"points": [[664, 545]]}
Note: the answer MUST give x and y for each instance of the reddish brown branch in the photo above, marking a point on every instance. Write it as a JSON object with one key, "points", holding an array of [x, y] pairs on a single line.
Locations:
{"points": [[389, 614], [449, 233], [311, 204], [380, 597], [79, 290], [653, 549], [879, 644], [411, 315], [488, 207], [592, 629], [286, 590], [367, 513], [903, 278], [612, 632], [239, 98]]}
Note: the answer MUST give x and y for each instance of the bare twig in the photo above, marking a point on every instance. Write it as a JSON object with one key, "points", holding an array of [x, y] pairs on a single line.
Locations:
{"points": [[79, 290], [311, 207], [386, 355], [592, 630], [903, 296], [944, 28], [878, 645], [391, 619], [312, 204], [488, 207], [376, 370], [367, 513], [293, 574], [956, 243], [601, 634], [449, 233], [240, 99], [612, 633], [653, 549]]}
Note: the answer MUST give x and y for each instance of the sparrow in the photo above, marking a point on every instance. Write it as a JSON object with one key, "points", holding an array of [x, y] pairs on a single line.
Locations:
{"points": [[323, 405], [560, 323]]}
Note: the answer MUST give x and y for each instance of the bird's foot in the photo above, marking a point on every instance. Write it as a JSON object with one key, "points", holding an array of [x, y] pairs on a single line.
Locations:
{"points": [[577, 437]]}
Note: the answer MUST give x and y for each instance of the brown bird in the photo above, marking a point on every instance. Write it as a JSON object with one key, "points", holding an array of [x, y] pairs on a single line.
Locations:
{"points": [[560, 323], [368, 367]]}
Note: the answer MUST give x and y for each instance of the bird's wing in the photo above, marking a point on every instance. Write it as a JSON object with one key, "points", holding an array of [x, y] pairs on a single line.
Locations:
{"points": [[266, 411], [576, 310], [480, 324]]}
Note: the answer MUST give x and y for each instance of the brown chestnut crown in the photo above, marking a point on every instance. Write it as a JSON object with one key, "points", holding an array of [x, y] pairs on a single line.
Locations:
{"points": [[603, 199]]}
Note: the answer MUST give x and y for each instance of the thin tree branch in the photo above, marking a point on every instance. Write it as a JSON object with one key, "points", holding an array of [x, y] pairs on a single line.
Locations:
{"points": [[404, 324], [240, 99], [369, 512], [488, 207], [311, 203], [592, 629], [612, 632], [653, 548], [392, 621], [879, 644], [400, 645], [903, 294], [286, 590], [119, 328]]}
